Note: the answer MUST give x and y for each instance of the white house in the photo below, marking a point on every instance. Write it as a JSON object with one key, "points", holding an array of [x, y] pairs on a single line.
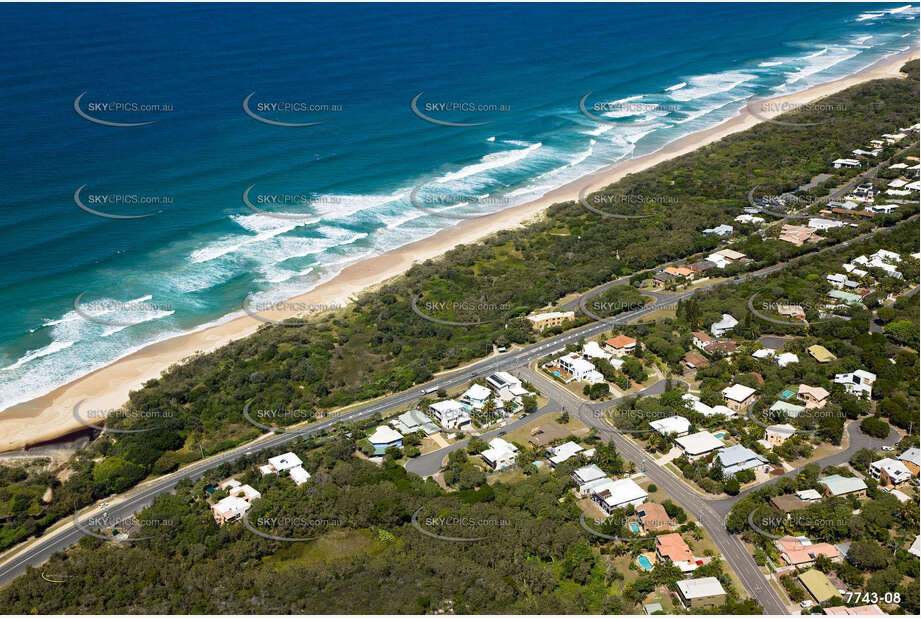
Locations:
{"points": [[724, 325], [787, 358], [385, 437], [776, 435], [839, 163], [502, 381], [890, 471], [581, 369], [820, 224], [747, 218], [284, 462], [719, 230], [671, 426], [593, 350], [558, 454], [586, 475], [699, 444], [618, 494], [476, 396], [450, 414], [229, 509], [858, 383], [299, 475], [738, 396], [500, 454]]}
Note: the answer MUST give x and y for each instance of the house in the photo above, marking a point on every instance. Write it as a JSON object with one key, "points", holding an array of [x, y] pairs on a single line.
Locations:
{"points": [[702, 592], [719, 230], [809, 495], [671, 426], [580, 369], [775, 435], [246, 492], [840, 280], [679, 271], [729, 255], [795, 312], [915, 549], [738, 397], [547, 433], [898, 183], [662, 278], [801, 552], [284, 462], [839, 163], [701, 339], [787, 503], [699, 444], [653, 608], [750, 219], [837, 485], [299, 475], [693, 360], [476, 396], [593, 350], [414, 421], [558, 454], [585, 475], [620, 346], [385, 437], [549, 320], [617, 494], [912, 459], [798, 235], [890, 472], [817, 585], [503, 381], [229, 509], [814, 397], [789, 409], [858, 383], [672, 547], [500, 454], [653, 517], [818, 223], [857, 610], [884, 208], [820, 354], [846, 297], [701, 266], [737, 458], [450, 414], [724, 325], [787, 358]]}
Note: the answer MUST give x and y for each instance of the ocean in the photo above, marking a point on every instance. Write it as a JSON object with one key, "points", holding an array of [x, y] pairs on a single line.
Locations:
{"points": [[406, 118]]}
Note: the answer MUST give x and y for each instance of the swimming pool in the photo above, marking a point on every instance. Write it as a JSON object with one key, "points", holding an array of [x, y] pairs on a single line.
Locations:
{"points": [[787, 394], [719, 435], [644, 563], [634, 527]]}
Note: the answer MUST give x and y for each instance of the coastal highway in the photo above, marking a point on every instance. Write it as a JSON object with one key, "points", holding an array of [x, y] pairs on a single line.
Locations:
{"points": [[66, 534]]}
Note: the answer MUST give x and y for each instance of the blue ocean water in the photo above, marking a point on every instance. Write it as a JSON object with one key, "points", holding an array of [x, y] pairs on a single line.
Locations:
{"points": [[658, 71]]}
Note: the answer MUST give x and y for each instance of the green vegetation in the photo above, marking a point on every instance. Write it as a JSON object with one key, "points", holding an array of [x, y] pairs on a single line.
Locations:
{"points": [[379, 345]]}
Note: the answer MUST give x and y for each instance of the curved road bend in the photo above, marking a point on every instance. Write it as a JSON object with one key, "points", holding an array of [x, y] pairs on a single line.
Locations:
{"points": [[37, 551]]}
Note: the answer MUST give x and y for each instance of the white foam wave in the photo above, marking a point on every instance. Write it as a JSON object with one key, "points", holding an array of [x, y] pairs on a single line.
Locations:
{"points": [[51, 348], [708, 85], [772, 63], [678, 86], [488, 162]]}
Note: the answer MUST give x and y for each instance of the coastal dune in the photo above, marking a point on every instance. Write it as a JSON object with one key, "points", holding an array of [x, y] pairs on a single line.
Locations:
{"points": [[52, 416]]}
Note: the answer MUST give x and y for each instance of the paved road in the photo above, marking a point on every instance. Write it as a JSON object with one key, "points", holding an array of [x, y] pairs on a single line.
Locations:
{"points": [[39, 550]]}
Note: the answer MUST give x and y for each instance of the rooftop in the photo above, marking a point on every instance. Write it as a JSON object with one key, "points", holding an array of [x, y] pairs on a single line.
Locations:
{"points": [[703, 587], [699, 443], [840, 485]]}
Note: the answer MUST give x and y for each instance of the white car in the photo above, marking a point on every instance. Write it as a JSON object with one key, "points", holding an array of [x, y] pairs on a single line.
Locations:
{"points": [[103, 505], [805, 604], [888, 448]]}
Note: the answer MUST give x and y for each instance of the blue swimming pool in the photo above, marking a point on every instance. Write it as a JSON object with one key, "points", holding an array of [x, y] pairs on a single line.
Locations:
{"points": [[719, 435], [644, 563], [634, 527], [787, 394]]}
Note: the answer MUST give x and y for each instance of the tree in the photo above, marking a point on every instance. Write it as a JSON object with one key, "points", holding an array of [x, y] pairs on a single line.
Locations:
{"points": [[731, 486], [874, 426]]}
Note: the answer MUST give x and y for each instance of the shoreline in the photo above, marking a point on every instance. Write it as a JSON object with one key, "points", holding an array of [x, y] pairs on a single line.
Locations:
{"points": [[51, 416]]}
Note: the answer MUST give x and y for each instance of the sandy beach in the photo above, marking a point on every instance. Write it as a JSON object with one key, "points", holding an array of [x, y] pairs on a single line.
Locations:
{"points": [[51, 416]]}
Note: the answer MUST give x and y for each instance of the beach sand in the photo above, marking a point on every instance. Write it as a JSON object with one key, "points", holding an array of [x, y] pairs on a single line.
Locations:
{"points": [[51, 416]]}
